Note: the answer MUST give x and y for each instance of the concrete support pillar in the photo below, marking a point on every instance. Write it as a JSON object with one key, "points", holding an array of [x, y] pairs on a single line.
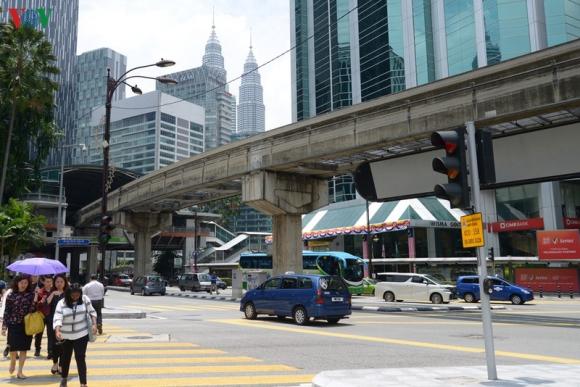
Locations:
{"points": [[92, 261], [75, 261], [285, 197], [143, 226], [551, 205]]}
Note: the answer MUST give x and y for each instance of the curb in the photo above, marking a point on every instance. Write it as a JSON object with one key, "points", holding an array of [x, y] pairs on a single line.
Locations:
{"points": [[124, 315], [204, 297]]}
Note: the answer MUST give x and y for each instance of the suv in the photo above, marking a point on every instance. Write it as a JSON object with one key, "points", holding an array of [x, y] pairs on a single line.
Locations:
{"points": [[195, 282], [301, 297], [147, 285], [468, 289], [411, 287]]}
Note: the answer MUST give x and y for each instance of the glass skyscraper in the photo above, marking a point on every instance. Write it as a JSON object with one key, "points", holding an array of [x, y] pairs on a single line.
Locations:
{"points": [[61, 32], [251, 110], [364, 49], [91, 88], [206, 87]]}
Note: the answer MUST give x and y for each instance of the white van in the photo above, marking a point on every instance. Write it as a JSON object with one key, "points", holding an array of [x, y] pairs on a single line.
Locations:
{"points": [[411, 287]]}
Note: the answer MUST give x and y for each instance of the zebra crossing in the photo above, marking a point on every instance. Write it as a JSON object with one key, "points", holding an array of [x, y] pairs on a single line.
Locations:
{"points": [[119, 364]]}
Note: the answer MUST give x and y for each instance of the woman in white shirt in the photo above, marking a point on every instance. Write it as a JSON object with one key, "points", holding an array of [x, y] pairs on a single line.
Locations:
{"points": [[70, 325]]}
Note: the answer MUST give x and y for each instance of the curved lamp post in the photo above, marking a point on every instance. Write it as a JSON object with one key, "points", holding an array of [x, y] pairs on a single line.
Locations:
{"points": [[112, 85]]}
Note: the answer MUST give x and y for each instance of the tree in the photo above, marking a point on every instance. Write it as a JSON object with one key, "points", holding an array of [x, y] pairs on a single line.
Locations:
{"points": [[164, 264], [20, 229], [27, 131], [228, 208]]}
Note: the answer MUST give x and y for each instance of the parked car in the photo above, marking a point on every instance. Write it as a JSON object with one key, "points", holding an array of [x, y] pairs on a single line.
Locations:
{"points": [[411, 287], [301, 297], [196, 282], [501, 290], [122, 280], [147, 285]]}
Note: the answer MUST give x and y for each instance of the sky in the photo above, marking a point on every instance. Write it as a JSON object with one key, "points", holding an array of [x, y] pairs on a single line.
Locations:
{"points": [[147, 30]]}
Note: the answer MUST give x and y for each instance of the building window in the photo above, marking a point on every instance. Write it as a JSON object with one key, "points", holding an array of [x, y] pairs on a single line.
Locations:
{"points": [[520, 202], [168, 118], [506, 29], [562, 20], [460, 31], [423, 29]]}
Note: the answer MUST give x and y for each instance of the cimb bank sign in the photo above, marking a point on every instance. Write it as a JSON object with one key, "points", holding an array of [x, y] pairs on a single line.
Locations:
{"points": [[30, 17]]}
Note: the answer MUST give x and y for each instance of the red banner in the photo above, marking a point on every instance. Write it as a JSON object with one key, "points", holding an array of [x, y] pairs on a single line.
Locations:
{"points": [[518, 225], [571, 222], [548, 279], [558, 244]]}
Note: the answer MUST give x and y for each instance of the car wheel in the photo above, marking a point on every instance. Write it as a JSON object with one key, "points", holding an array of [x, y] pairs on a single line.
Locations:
{"points": [[469, 297], [143, 292], [516, 300], [132, 291], [333, 320], [162, 293], [250, 311], [436, 298], [389, 297], [182, 288], [300, 316]]}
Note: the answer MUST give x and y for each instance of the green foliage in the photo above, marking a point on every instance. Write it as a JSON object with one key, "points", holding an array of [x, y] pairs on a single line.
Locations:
{"points": [[20, 229], [27, 89], [228, 208], [164, 264]]}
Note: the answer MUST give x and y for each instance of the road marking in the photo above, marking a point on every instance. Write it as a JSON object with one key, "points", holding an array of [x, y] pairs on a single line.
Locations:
{"points": [[33, 363], [142, 345], [253, 380], [408, 343], [157, 352], [186, 370]]}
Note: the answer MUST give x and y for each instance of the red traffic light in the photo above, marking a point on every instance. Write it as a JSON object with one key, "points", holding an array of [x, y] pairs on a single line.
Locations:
{"points": [[448, 140]]}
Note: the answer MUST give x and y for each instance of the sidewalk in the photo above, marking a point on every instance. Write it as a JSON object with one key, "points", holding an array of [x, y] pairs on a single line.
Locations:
{"points": [[117, 313], [554, 375]]}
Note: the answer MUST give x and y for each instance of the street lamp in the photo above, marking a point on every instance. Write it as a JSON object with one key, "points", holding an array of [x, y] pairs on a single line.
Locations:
{"points": [[112, 85], [59, 220]]}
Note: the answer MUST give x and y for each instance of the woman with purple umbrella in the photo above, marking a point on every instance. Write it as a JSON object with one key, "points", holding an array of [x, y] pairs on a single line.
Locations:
{"points": [[19, 303]]}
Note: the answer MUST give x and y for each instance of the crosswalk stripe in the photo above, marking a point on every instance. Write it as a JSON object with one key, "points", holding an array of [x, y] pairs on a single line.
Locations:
{"points": [[189, 370], [155, 352], [141, 345], [121, 361], [253, 380]]}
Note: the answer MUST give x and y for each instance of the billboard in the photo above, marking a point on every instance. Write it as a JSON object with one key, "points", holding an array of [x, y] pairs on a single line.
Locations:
{"points": [[548, 279], [558, 244]]}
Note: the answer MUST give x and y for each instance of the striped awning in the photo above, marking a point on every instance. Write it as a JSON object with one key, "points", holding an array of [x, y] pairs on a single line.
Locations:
{"points": [[350, 218]]}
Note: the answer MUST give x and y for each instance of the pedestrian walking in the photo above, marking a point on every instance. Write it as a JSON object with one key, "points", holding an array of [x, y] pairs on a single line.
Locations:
{"points": [[36, 284], [214, 287], [71, 325], [5, 294], [21, 301], [95, 291], [57, 294], [43, 308]]}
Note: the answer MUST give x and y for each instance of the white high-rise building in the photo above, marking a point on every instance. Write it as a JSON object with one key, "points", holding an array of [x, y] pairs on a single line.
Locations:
{"points": [[251, 110]]}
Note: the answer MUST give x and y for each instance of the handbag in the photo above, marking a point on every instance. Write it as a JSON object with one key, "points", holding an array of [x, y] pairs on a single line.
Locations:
{"points": [[33, 323], [92, 336]]}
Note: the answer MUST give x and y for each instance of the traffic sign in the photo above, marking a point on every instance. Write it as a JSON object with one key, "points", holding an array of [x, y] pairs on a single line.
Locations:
{"points": [[472, 230], [73, 242]]}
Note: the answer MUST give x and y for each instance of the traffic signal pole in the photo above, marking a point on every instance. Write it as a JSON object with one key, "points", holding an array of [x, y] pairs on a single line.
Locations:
{"points": [[481, 256]]}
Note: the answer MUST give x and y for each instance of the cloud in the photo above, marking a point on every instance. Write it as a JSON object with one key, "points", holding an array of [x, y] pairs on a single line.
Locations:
{"points": [[147, 30]]}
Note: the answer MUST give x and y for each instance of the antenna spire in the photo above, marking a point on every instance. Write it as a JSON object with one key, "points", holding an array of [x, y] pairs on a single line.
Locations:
{"points": [[213, 18]]}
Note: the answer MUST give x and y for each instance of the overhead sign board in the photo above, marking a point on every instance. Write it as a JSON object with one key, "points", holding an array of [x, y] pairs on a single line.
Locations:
{"points": [[518, 225], [472, 230], [558, 244], [73, 242]]}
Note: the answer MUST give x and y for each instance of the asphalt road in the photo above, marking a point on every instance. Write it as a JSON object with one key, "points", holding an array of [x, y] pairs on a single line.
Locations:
{"points": [[210, 343]]}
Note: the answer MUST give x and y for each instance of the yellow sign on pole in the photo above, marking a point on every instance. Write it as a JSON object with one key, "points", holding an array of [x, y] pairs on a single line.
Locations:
{"points": [[472, 230]]}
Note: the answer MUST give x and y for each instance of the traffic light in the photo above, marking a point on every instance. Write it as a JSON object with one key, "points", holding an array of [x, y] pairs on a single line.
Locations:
{"points": [[454, 165], [105, 229], [490, 254]]}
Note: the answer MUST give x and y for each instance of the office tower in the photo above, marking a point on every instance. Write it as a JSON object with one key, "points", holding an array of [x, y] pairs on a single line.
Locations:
{"points": [[148, 132], [251, 110], [61, 31], [206, 86], [91, 90]]}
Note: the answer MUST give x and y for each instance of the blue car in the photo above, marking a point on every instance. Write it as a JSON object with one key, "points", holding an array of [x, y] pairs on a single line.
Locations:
{"points": [[468, 289], [301, 297]]}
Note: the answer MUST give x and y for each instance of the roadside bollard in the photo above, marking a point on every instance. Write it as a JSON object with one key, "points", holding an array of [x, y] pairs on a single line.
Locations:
{"points": [[541, 292], [571, 292], [559, 292]]}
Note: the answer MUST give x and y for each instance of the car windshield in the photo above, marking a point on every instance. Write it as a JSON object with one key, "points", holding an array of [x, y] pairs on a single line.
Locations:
{"points": [[432, 279], [354, 270]]}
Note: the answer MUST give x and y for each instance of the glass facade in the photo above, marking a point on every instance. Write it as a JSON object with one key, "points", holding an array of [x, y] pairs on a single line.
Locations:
{"points": [[507, 32], [341, 188], [302, 73], [562, 20], [460, 34], [423, 34], [570, 198]]}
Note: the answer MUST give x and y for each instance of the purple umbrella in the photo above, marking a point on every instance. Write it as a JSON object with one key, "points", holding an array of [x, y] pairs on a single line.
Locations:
{"points": [[38, 266]]}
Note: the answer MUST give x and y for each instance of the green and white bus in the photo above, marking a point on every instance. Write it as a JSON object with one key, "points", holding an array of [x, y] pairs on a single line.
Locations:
{"points": [[349, 267]]}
